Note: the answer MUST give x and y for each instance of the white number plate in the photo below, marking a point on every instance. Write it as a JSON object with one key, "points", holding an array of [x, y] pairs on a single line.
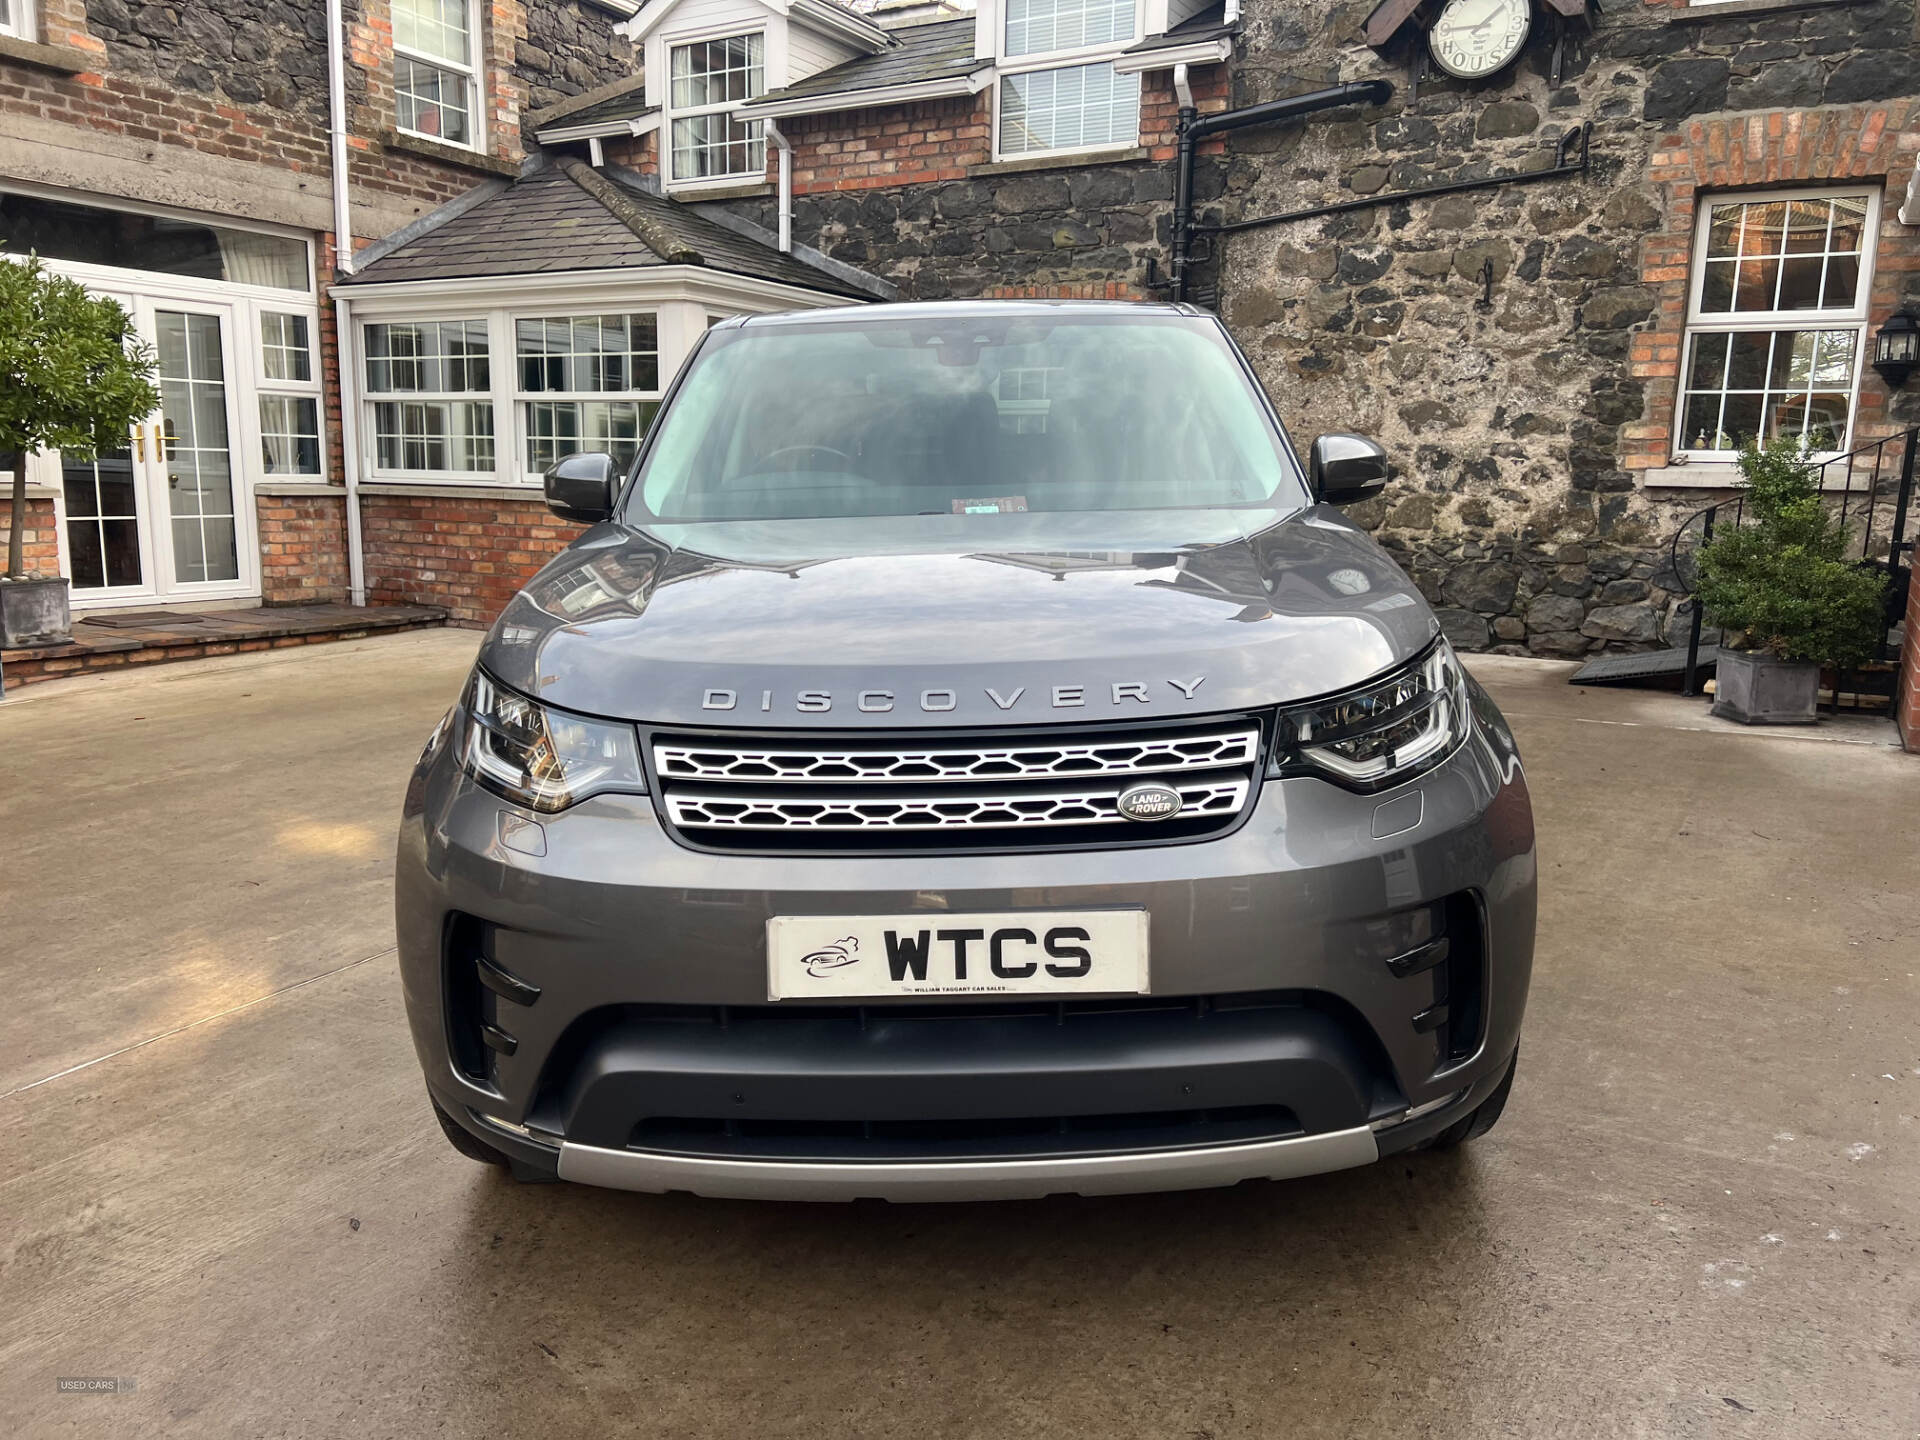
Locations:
{"points": [[1024, 952]]}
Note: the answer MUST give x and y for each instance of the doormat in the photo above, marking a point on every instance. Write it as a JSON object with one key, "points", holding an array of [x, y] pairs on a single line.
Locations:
{"points": [[145, 620]]}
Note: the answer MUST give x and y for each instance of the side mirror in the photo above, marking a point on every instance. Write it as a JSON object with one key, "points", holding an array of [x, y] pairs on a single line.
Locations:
{"points": [[583, 487], [1345, 468]]}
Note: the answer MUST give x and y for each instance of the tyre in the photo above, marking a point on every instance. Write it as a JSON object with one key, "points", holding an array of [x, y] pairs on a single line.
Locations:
{"points": [[471, 1146], [1483, 1118]]}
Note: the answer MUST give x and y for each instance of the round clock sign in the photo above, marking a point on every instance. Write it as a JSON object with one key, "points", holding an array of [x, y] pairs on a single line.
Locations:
{"points": [[1474, 38]]}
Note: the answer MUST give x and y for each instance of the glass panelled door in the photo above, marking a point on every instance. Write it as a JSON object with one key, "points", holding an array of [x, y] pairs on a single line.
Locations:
{"points": [[104, 545], [107, 547], [193, 459], [158, 517]]}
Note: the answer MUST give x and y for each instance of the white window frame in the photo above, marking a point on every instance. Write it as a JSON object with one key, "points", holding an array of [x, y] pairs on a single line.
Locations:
{"points": [[680, 298], [669, 113], [524, 400], [268, 387], [371, 398], [19, 22], [1697, 323], [471, 72], [1006, 65], [242, 301]]}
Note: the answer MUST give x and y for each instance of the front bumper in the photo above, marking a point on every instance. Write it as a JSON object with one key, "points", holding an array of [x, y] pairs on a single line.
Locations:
{"points": [[1281, 1037]]}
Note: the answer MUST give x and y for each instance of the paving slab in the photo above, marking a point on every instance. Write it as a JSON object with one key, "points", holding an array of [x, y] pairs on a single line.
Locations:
{"points": [[1696, 1219]]}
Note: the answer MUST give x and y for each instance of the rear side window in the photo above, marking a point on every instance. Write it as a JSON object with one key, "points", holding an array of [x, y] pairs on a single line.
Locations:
{"points": [[958, 414]]}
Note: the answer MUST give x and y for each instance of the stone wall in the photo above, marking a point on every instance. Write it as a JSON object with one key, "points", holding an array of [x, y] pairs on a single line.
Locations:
{"points": [[271, 52], [912, 194], [246, 52], [1527, 419], [568, 49]]}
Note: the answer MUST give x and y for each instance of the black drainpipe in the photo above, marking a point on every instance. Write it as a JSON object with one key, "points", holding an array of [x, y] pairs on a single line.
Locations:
{"points": [[1194, 128]]}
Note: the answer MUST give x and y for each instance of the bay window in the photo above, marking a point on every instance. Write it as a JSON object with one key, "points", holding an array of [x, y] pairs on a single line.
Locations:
{"points": [[436, 70], [709, 81], [586, 382], [1776, 321], [430, 382], [1046, 106]]}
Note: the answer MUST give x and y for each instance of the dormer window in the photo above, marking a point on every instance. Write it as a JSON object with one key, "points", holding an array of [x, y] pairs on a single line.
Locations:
{"points": [[711, 80], [1047, 107]]}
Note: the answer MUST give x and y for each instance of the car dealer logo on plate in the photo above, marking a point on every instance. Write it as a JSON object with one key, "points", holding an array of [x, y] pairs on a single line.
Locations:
{"points": [[1149, 802]]}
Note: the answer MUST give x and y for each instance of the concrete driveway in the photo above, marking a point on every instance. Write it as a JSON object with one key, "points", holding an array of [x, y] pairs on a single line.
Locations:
{"points": [[219, 1177]]}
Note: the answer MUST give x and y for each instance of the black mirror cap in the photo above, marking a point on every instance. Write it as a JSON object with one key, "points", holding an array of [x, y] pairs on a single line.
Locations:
{"points": [[1346, 468], [583, 487]]}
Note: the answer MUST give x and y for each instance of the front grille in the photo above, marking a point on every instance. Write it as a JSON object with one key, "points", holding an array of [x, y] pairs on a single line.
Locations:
{"points": [[1053, 788]]}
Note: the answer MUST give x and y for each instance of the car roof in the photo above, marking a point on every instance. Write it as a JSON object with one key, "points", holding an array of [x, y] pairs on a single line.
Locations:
{"points": [[907, 312]]}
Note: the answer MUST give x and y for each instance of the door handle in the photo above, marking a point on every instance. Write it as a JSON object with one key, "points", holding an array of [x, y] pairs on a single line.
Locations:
{"points": [[159, 445], [140, 443]]}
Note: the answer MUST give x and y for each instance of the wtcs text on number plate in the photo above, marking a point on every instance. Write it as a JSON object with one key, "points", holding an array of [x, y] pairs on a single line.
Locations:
{"points": [[1021, 952]]}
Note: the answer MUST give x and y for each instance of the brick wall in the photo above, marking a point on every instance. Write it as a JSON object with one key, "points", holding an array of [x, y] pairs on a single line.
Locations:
{"points": [[1907, 695], [40, 540], [1772, 148], [303, 549], [467, 553], [944, 140]]}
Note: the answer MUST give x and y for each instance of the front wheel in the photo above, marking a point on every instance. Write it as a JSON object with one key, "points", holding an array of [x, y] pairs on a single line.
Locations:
{"points": [[1482, 1119], [469, 1145]]}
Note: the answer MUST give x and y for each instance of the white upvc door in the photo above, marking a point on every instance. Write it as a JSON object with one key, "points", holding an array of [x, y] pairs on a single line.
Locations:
{"points": [[198, 520], [169, 517]]}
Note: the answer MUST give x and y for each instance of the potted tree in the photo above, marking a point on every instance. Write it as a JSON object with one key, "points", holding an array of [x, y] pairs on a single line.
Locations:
{"points": [[74, 377], [1787, 601]]}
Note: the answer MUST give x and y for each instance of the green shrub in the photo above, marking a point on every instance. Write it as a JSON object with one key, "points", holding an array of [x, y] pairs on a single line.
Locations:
{"points": [[1778, 581], [74, 377]]}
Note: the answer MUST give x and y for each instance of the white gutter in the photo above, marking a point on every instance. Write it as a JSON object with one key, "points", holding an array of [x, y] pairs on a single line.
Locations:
{"points": [[1182, 90], [1174, 57], [601, 129], [337, 138], [350, 445], [785, 147], [840, 100], [1232, 17]]}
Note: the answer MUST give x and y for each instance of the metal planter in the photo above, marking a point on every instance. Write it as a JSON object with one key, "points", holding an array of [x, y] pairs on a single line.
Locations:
{"points": [[1757, 689], [34, 613]]}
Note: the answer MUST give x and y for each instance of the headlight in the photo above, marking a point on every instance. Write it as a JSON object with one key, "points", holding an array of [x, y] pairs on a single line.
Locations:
{"points": [[1382, 735], [543, 758]]}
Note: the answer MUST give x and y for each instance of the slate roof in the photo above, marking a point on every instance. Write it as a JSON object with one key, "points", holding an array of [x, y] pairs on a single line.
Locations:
{"points": [[629, 106], [548, 222], [938, 51], [1208, 24]]}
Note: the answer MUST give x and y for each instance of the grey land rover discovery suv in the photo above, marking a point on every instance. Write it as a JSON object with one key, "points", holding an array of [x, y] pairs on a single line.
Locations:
{"points": [[967, 755]]}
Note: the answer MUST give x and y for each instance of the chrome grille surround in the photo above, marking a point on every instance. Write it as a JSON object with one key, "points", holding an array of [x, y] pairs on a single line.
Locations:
{"points": [[902, 790], [1000, 809], [1136, 755]]}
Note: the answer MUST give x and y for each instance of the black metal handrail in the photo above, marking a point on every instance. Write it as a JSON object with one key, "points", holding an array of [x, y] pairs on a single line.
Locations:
{"points": [[1869, 461]]}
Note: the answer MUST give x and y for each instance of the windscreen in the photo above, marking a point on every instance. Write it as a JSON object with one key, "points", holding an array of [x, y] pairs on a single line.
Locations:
{"points": [[915, 415]]}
